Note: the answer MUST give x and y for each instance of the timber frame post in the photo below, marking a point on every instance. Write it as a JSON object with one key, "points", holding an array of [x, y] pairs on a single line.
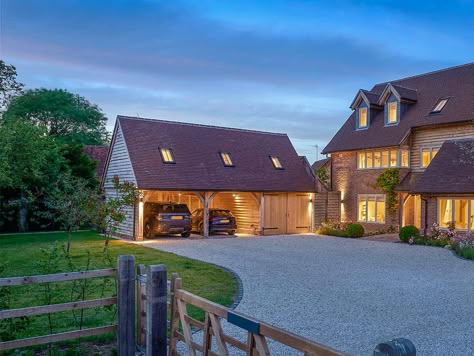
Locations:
{"points": [[206, 198]]}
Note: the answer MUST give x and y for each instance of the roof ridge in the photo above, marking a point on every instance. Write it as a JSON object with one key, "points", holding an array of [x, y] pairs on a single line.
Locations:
{"points": [[199, 125], [427, 73], [402, 86]]}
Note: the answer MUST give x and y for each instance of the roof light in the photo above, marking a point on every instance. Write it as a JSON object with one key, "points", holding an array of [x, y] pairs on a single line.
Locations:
{"points": [[276, 162], [226, 159], [167, 155], [439, 105]]}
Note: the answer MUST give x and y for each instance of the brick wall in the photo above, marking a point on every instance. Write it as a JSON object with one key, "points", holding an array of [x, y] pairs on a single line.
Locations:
{"points": [[351, 182]]}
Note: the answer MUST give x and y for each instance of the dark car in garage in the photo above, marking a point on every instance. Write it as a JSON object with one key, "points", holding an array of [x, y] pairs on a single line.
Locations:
{"points": [[220, 220], [166, 218]]}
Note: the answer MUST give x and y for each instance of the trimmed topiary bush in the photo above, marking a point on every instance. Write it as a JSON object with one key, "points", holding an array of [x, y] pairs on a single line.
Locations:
{"points": [[407, 232], [355, 230]]}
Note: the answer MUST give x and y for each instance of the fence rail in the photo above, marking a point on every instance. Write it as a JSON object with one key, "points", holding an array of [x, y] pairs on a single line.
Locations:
{"points": [[56, 308]]}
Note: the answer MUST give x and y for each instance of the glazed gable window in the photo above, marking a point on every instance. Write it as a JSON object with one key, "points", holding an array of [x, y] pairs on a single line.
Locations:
{"points": [[362, 118], [392, 115], [371, 208], [459, 212], [383, 159]]}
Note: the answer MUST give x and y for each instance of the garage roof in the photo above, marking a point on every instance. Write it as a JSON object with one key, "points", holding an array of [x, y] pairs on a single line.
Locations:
{"points": [[198, 164]]}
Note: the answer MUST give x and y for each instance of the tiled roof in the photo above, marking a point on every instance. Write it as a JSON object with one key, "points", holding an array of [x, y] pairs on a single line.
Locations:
{"points": [[408, 182], [318, 164], [451, 171], [457, 83], [199, 165], [99, 154]]}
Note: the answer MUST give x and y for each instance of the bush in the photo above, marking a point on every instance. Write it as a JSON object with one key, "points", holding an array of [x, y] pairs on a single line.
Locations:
{"points": [[355, 230], [407, 232], [326, 230]]}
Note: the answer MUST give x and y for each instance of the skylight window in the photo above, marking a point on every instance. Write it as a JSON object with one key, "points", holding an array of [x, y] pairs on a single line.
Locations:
{"points": [[439, 105], [167, 155], [276, 162], [226, 159]]}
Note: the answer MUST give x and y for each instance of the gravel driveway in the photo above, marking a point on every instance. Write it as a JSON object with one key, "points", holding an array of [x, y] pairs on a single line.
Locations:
{"points": [[349, 294]]}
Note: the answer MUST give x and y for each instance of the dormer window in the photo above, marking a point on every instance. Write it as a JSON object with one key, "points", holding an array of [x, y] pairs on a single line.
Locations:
{"points": [[276, 162], [226, 159], [392, 116], [167, 155], [439, 106], [362, 118]]}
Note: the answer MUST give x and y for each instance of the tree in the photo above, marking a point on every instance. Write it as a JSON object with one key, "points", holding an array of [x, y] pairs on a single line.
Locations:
{"points": [[110, 212], [9, 87], [80, 164], [29, 164], [322, 174], [68, 117], [73, 202]]}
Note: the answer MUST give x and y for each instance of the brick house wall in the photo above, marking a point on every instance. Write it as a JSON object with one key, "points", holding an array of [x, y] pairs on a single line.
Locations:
{"points": [[351, 182]]}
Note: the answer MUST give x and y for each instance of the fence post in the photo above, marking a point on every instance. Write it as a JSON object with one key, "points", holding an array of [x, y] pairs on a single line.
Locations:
{"points": [[126, 305], [395, 347], [141, 338], [156, 306], [174, 316]]}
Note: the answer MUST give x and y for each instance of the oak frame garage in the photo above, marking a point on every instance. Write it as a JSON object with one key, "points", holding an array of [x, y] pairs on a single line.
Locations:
{"points": [[257, 175]]}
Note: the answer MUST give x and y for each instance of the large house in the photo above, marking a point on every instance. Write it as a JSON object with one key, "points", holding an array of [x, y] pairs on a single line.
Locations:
{"points": [[421, 127], [257, 175]]}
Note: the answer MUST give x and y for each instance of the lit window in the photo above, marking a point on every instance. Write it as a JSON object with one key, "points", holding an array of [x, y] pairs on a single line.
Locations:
{"points": [[276, 162], [427, 155], [363, 123], [457, 212], [393, 159], [439, 106], [404, 160], [370, 160], [376, 159], [392, 113], [361, 164], [226, 159], [167, 155], [371, 208], [385, 158]]}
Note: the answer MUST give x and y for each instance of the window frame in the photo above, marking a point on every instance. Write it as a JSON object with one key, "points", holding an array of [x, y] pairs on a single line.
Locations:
{"points": [[388, 156], [377, 198], [470, 211], [397, 113], [222, 154], [443, 100], [431, 148], [163, 159], [358, 126], [279, 166]]}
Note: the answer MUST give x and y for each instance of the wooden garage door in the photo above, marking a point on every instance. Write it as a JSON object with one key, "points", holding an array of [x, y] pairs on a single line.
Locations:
{"points": [[299, 214], [275, 213]]}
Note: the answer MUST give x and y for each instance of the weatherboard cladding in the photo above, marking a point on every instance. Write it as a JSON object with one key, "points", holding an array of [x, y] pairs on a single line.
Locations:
{"points": [[456, 83], [199, 166]]}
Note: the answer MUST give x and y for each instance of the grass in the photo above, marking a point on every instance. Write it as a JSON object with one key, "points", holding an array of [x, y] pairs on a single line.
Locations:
{"points": [[23, 255]]}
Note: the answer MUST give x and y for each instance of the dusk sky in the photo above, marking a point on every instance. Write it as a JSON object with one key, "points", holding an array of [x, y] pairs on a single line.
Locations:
{"points": [[281, 66]]}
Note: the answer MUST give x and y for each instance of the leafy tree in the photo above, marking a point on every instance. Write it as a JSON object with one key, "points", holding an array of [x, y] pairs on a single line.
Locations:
{"points": [[80, 164], [322, 174], [9, 87], [110, 212], [29, 164], [73, 202], [68, 117]]}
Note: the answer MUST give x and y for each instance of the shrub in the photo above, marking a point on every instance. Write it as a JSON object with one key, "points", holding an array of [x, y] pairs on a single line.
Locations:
{"points": [[331, 229], [355, 230], [408, 231]]}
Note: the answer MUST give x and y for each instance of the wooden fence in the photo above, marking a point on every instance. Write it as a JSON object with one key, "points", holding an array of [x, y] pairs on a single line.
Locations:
{"points": [[146, 291]]}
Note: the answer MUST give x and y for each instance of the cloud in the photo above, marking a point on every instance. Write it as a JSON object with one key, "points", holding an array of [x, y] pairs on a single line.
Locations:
{"points": [[173, 61]]}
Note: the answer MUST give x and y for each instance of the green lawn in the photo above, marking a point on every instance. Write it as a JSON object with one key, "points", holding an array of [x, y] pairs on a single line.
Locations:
{"points": [[23, 255]]}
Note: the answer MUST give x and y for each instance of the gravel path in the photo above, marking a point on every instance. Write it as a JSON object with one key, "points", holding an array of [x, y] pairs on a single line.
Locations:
{"points": [[349, 294]]}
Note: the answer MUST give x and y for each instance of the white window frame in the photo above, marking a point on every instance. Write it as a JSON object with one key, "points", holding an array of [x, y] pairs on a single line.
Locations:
{"points": [[470, 214], [398, 164], [359, 127], [431, 148], [378, 198], [389, 123]]}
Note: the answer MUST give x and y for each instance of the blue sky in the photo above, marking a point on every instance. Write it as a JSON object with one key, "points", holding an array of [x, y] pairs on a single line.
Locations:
{"points": [[282, 66]]}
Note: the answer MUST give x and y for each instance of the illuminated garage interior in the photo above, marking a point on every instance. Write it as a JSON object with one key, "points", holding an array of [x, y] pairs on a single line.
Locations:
{"points": [[282, 213]]}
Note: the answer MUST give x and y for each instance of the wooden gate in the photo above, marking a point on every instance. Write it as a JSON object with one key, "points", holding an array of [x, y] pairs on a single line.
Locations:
{"points": [[287, 213], [299, 213], [275, 209]]}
